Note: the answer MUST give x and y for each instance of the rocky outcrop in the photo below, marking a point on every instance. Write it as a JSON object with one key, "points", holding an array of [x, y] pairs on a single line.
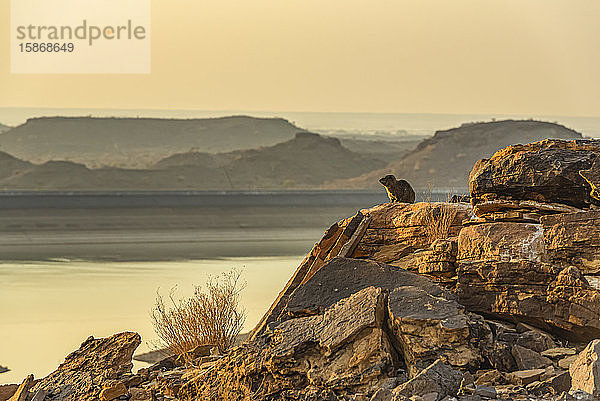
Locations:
{"points": [[84, 372], [404, 302], [354, 326]]}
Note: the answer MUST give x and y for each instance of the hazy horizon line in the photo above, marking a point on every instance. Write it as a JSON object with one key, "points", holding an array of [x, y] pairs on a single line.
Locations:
{"points": [[520, 114]]}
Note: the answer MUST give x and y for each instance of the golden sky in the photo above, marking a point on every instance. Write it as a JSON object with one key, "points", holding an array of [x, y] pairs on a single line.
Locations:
{"points": [[444, 56]]}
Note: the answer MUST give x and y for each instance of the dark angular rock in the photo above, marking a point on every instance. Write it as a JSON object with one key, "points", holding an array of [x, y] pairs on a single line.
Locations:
{"points": [[559, 383], [438, 377], [546, 171], [426, 320], [500, 357], [485, 391], [535, 340], [527, 359], [342, 277]]}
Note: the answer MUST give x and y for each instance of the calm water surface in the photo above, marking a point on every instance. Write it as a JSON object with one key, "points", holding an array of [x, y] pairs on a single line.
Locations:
{"points": [[48, 309]]}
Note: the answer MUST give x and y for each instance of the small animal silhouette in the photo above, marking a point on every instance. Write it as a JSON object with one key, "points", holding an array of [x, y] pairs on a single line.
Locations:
{"points": [[398, 190]]}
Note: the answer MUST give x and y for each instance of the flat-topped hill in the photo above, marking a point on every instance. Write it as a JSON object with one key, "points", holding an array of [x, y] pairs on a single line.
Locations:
{"points": [[306, 161], [137, 142]]}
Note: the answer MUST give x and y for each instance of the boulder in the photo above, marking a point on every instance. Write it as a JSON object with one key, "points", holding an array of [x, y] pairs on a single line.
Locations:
{"points": [[546, 172], [527, 359], [84, 372], [437, 378], [567, 361], [585, 371], [535, 340], [430, 327], [558, 384]]}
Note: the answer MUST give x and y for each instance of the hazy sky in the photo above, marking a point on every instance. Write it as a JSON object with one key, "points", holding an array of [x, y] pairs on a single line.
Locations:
{"points": [[448, 56]]}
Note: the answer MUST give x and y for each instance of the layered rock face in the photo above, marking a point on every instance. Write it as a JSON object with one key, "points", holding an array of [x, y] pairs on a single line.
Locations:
{"points": [[543, 265]]}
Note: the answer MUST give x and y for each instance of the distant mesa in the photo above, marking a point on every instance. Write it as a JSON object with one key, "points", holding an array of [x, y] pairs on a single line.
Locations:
{"points": [[306, 161], [445, 160], [138, 142]]}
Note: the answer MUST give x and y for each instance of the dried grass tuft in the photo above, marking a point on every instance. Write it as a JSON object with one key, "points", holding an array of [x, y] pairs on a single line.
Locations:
{"points": [[212, 315], [438, 220]]}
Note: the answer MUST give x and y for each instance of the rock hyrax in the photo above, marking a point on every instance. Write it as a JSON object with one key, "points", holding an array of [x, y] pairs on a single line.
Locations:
{"points": [[398, 190]]}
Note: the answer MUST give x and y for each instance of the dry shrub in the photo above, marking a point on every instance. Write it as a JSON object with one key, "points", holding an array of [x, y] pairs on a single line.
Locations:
{"points": [[438, 220], [212, 315]]}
